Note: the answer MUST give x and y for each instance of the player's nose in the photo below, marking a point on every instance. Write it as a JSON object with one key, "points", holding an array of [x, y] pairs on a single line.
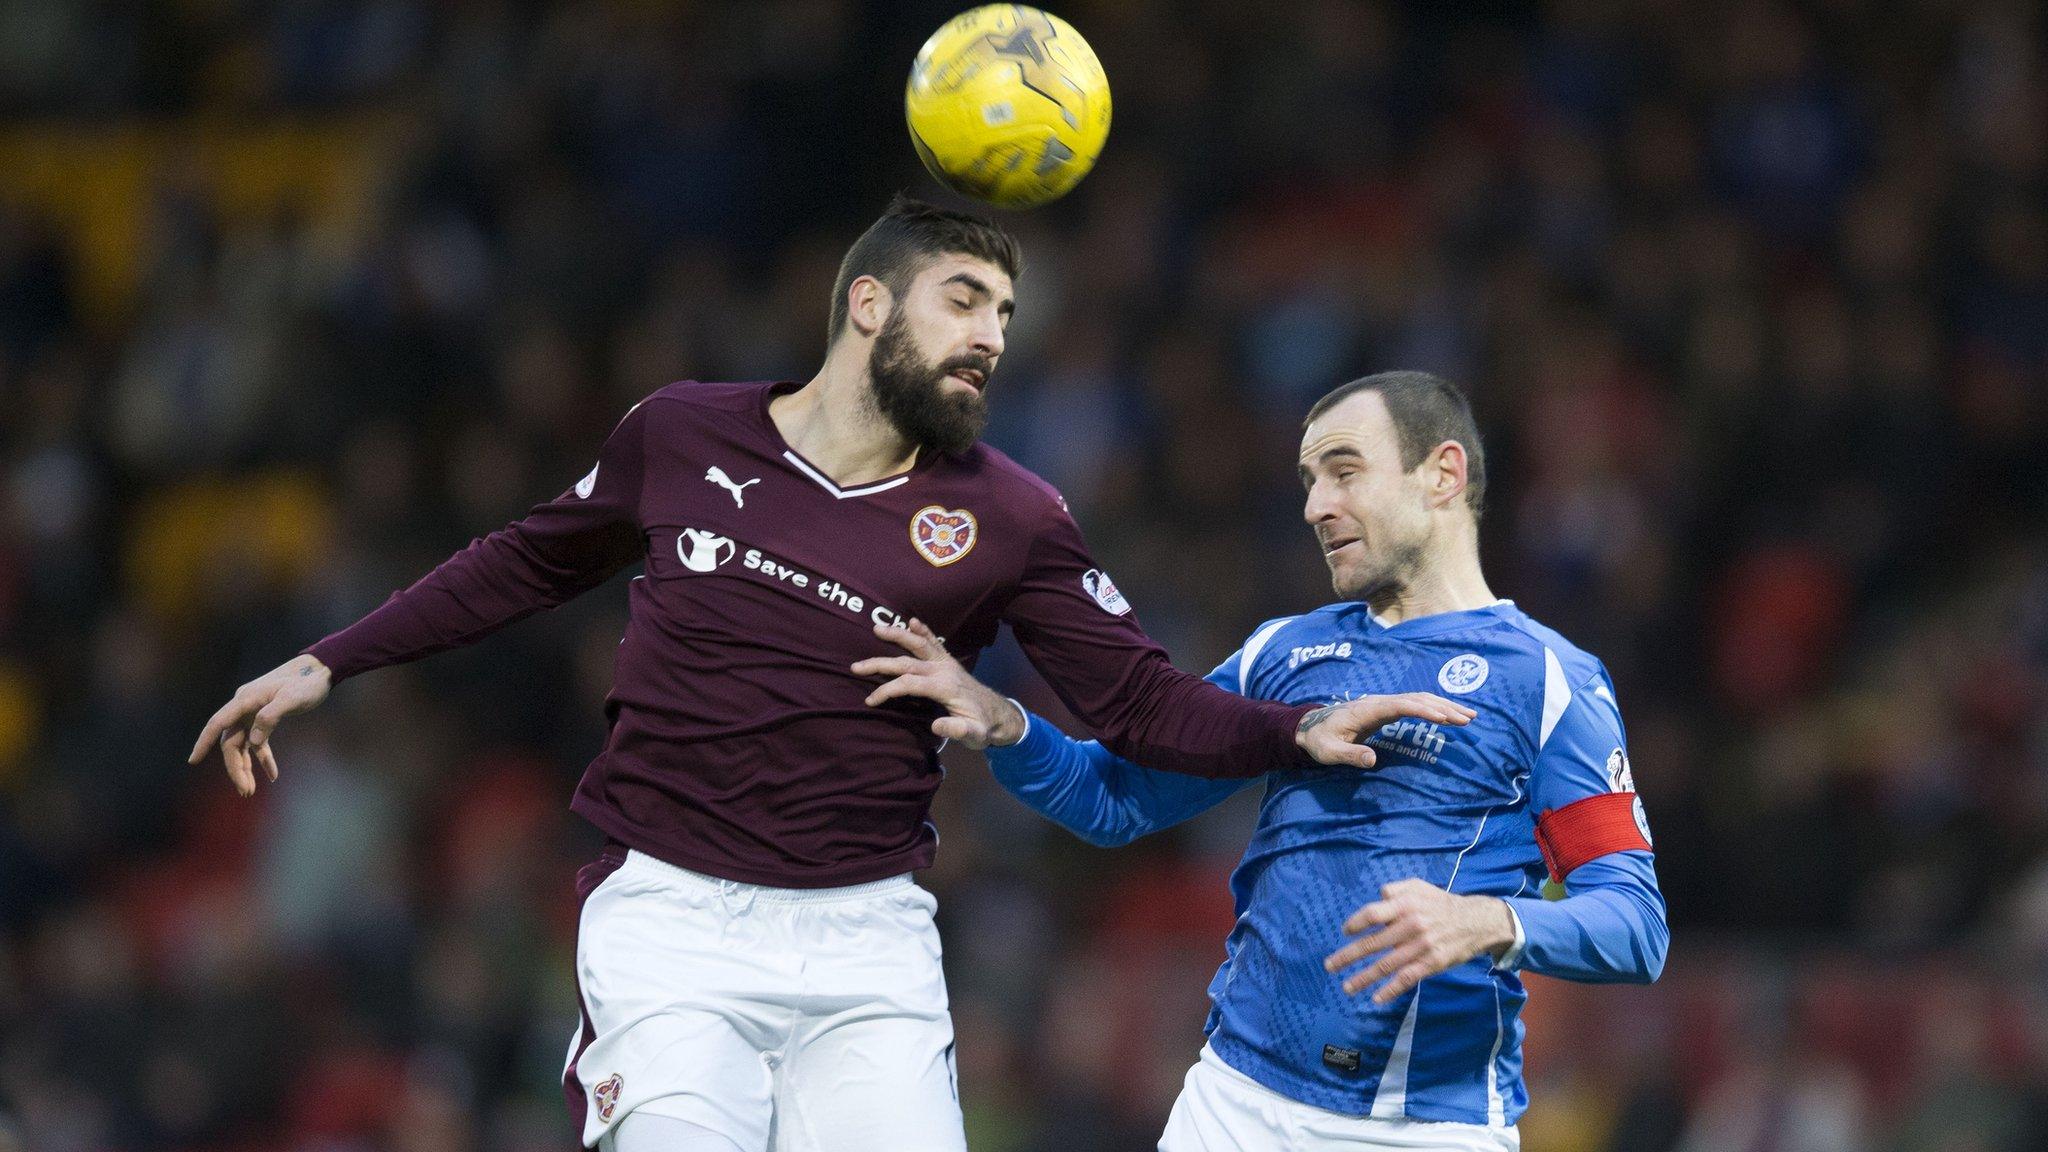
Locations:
{"points": [[1318, 507], [988, 337]]}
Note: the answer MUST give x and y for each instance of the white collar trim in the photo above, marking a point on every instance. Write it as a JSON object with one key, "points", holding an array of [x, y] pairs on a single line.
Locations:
{"points": [[826, 483]]}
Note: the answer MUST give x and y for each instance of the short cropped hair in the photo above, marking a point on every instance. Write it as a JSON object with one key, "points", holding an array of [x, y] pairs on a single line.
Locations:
{"points": [[1426, 410], [909, 236]]}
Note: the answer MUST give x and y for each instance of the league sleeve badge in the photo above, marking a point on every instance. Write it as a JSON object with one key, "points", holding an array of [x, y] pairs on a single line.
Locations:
{"points": [[1619, 776], [1097, 584]]}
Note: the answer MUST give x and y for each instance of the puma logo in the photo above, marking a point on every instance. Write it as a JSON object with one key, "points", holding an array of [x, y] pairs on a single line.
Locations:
{"points": [[717, 476]]}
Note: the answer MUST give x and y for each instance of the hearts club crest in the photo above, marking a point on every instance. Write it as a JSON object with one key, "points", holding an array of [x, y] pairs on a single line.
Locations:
{"points": [[942, 535]]}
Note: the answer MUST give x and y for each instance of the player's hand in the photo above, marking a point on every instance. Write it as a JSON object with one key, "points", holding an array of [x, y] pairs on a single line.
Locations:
{"points": [[1336, 733], [242, 726], [1419, 930], [976, 715]]}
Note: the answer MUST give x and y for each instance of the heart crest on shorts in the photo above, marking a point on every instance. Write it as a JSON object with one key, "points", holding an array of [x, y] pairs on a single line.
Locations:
{"points": [[943, 535], [606, 1093]]}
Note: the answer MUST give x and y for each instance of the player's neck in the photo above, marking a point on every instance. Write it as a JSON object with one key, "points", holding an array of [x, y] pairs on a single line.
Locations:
{"points": [[831, 423], [1453, 585]]}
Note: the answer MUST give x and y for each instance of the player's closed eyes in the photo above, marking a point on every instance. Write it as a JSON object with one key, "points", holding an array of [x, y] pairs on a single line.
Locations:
{"points": [[1308, 482]]}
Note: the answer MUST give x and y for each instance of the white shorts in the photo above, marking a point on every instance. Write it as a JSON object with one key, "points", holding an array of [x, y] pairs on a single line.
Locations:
{"points": [[783, 1019], [1223, 1110]]}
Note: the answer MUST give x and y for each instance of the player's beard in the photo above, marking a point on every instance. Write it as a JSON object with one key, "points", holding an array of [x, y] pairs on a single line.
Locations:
{"points": [[911, 392]]}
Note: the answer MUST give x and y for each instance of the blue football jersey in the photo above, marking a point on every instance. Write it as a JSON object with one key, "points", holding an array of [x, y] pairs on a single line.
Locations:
{"points": [[1455, 806]]}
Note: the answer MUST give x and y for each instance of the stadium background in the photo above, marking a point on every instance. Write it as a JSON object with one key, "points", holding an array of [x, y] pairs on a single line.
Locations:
{"points": [[296, 298]]}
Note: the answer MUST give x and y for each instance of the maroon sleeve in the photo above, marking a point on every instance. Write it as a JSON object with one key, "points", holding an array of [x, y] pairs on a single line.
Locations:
{"points": [[561, 549], [1081, 635]]}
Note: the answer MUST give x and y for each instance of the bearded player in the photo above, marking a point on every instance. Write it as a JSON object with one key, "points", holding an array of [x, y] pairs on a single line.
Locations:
{"points": [[1447, 843], [756, 968]]}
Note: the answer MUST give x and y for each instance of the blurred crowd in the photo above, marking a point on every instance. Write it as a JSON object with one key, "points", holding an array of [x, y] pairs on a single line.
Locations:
{"points": [[297, 297]]}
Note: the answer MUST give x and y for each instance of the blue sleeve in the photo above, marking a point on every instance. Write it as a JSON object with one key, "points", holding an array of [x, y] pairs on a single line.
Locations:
{"points": [[1609, 928], [1099, 796]]}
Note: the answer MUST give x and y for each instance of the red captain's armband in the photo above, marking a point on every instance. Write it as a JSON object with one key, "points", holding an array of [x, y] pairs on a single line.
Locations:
{"points": [[1587, 830]]}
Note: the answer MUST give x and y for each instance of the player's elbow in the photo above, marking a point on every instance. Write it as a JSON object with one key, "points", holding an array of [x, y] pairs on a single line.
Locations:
{"points": [[1633, 945], [1652, 943], [1657, 947]]}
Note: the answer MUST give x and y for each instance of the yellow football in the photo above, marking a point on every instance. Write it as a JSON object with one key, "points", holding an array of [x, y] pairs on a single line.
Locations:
{"points": [[1007, 104]]}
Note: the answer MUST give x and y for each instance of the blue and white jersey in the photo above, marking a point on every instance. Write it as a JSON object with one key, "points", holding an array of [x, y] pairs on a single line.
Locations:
{"points": [[1456, 806]]}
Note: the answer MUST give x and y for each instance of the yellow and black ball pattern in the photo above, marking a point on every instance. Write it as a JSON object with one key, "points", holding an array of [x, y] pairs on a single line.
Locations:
{"points": [[1008, 104]]}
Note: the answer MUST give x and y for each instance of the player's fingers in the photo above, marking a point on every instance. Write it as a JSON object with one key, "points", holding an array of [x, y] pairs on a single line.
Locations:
{"points": [[1396, 888], [918, 686], [207, 736], [1353, 952], [1429, 706], [1330, 744], [1377, 912], [1370, 944], [266, 756], [924, 642], [1403, 980], [1382, 968], [1454, 712], [1400, 960], [1435, 698], [886, 666], [266, 719], [210, 735], [1374, 711], [234, 752], [972, 733], [898, 635], [1359, 754], [910, 641]]}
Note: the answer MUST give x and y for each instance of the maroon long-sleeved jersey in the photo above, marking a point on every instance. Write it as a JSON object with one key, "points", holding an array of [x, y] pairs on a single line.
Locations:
{"points": [[740, 744]]}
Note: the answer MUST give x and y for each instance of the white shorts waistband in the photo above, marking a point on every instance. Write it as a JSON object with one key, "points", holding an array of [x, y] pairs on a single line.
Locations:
{"points": [[682, 877]]}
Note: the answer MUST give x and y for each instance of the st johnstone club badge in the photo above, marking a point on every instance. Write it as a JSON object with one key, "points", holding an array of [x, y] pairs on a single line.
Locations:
{"points": [[943, 535]]}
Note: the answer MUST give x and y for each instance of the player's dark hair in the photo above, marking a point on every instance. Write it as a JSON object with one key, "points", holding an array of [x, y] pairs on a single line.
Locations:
{"points": [[910, 235], [1427, 410]]}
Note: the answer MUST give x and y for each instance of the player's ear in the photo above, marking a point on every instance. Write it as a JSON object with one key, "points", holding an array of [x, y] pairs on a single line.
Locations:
{"points": [[868, 301], [1445, 471]]}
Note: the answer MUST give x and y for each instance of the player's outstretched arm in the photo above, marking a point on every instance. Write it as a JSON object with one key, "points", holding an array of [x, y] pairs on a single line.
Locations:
{"points": [[243, 725], [1082, 636], [1080, 785], [1100, 796], [978, 717], [1096, 794], [560, 550]]}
